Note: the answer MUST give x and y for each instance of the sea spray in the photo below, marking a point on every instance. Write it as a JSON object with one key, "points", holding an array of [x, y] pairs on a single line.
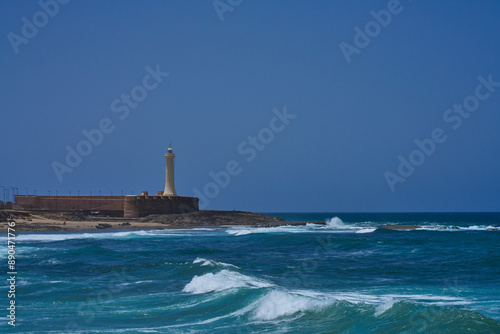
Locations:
{"points": [[204, 262], [277, 304], [335, 223], [223, 280]]}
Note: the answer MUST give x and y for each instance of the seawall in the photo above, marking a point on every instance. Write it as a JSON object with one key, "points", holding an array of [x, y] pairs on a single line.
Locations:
{"points": [[132, 206]]}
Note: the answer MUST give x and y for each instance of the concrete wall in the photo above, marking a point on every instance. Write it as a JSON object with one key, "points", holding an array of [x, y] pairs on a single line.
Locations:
{"points": [[140, 206], [94, 203], [119, 206]]}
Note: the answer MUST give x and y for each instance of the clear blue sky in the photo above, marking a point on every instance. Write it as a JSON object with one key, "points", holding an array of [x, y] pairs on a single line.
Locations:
{"points": [[353, 119]]}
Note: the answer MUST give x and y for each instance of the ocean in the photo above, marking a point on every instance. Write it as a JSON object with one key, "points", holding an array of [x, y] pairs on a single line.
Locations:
{"points": [[343, 277]]}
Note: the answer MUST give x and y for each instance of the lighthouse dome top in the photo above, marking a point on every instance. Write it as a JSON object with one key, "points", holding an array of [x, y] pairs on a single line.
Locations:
{"points": [[170, 149]]}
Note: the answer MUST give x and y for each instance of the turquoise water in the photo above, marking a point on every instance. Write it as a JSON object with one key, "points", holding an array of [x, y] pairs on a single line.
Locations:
{"points": [[345, 277]]}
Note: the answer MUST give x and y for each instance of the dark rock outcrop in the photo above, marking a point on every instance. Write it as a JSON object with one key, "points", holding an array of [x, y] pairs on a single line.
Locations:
{"points": [[214, 218], [103, 226]]}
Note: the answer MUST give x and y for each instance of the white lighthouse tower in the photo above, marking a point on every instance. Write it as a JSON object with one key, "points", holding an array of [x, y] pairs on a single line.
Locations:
{"points": [[169, 179]]}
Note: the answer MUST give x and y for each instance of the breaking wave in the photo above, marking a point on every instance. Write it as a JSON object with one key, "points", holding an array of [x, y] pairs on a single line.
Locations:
{"points": [[333, 225], [277, 304], [212, 263], [223, 280], [62, 236], [457, 228], [336, 225], [271, 301]]}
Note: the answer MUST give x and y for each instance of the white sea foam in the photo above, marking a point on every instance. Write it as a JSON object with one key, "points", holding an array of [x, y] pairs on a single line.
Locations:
{"points": [[51, 261], [212, 263], [381, 308], [481, 228], [458, 228], [366, 230], [202, 229], [45, 237], [52, 237], [276, 304], [333, 225], [362, 253], [427, 298], [336, 223], [137, 282], [279, 303], [238, 231], [223, 280], [69, 236]]}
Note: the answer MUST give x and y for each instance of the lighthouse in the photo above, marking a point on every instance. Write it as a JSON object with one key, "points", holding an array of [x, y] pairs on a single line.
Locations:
{"points": [[169, 179]]}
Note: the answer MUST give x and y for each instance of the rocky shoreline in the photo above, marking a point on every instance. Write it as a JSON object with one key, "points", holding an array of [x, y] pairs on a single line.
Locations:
{"points": [[69, 221], [26, 221]]}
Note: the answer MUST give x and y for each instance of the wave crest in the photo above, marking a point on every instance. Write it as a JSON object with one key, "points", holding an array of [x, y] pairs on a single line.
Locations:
{"points": [[204, 263], [277, 304], [223, 280]]}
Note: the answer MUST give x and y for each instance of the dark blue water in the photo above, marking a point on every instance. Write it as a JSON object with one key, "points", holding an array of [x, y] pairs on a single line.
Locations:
{"points": [[345, 277]]}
